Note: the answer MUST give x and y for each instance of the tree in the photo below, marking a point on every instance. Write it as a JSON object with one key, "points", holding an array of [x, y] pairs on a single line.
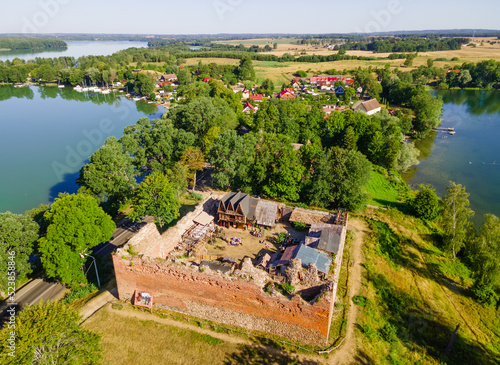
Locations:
{"points": [[484, 254], [409, 60], [18, 234], [430, 62], [49, 333], [267, 87], [155, 196], [76, 224], [110, 172], [464, 78], [426, 203], [144, 85], [407, 156], [455, 217], [339, 178], [245, 69], [427, 111], [194, 160], [183, 77]]}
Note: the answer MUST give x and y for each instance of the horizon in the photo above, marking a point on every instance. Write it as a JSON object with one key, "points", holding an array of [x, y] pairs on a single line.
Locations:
{"points": [[200, 17]]}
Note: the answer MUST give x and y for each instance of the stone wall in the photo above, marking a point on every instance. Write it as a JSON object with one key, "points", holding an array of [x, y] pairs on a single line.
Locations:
{"points": [[224, 299], [150, 243]]}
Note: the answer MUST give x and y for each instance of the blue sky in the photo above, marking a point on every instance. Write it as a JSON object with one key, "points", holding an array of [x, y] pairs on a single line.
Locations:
{"points": [[244, 16]]}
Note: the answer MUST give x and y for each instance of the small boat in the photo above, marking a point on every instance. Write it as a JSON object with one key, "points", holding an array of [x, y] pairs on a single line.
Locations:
{"points": [[451, 132], [105, 91], [60, 86]]}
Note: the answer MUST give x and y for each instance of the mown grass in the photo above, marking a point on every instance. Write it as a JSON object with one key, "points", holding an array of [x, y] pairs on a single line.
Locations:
{"points": [[416, 296], [130, 340]]}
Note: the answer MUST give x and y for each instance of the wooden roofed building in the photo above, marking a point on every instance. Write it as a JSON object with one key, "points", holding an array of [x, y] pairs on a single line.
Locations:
{"points": [[239, 209]]}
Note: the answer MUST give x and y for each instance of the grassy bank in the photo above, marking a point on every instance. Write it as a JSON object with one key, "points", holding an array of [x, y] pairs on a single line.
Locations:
{"points": [[414, 298]]}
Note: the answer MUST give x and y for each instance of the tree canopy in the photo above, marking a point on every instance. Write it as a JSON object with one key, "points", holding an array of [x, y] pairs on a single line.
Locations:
{"points": [[49, 333], [18, 233], [76, 223]]}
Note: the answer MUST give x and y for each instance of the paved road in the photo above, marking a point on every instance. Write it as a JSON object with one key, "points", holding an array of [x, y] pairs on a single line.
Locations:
{"points": [[126, 230], [40, 289], [32, 293]]}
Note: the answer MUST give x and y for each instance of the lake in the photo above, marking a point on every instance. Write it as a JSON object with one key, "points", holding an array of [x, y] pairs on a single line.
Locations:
{"points": [[75, 49], [48, 134], [467, 157]]}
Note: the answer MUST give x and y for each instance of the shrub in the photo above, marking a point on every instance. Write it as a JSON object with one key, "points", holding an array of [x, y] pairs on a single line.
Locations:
{"points": [[359, 300], [195, 196], [289, 288], [78, 293], [389, 332], [426, 203], [485, 294], [299, 226]]}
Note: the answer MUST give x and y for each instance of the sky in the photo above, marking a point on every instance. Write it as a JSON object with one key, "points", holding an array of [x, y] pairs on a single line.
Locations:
{"points": [[244, 16]]}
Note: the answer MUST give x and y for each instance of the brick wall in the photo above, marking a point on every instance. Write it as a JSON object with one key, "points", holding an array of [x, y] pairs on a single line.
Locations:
{"points": [[224, 299]]}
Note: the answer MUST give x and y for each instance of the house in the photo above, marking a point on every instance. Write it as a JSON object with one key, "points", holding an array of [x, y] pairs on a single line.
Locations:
{"points": [[207, 79], [168, 78], [249, 107], [368, 107], [245, 94], [257, 98], [237, 209], [339, 91], [286, 94]]}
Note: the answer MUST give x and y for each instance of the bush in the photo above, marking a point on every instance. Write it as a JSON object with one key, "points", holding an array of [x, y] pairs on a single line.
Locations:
{"points": [[389, 332], [359, 300], [78, 293], [195, 196], [486, 295], [289, 288], [299, 226], [426, 203]]}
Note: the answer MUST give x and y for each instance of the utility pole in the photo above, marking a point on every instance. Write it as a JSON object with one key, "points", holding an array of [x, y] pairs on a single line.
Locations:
{"points": [[95, 265]]}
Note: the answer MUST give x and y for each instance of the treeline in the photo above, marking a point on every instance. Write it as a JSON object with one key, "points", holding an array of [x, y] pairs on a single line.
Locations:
{"points": [[31, 43], [413, 44], [484, 74]]}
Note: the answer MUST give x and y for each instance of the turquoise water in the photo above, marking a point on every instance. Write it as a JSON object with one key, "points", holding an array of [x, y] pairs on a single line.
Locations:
{"points": [[48, 134], [475, 116], [75, 49]]}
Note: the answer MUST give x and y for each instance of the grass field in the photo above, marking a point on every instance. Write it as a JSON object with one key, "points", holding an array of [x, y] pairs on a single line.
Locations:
{"points": [[133, 336], [415, 296], [385, 189]]}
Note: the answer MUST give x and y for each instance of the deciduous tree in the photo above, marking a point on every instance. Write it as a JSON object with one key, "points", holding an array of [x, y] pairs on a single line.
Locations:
{"points": [[18, 234], [76, 224], [455, 217], [50, 333]]}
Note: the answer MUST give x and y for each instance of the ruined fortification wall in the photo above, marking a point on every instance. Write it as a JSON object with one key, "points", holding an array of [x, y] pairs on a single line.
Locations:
{"points": [[224, 299]]}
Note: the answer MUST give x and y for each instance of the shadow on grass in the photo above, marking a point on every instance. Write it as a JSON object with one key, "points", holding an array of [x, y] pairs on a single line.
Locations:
{"points": [[259, 355], [183, 210], [402, 207]]}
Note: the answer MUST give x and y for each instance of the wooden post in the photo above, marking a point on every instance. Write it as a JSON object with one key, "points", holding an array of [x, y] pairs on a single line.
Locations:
{"points": [[452, 341]]}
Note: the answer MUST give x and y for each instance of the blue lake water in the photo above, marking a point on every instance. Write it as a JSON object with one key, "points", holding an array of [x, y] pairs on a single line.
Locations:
{"points": [[48, 134], [75, 49], [467, 157]]}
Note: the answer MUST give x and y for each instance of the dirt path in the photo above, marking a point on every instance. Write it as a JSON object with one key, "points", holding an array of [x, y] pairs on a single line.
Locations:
{"points": [[346, 352]]}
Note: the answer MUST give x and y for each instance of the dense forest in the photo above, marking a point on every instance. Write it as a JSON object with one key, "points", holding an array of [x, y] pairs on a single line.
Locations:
{"points": [[412, 44], [31, 43]]}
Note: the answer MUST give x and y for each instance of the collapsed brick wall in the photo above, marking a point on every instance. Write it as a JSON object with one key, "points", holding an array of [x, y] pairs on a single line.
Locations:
{"points": [[225, 300], [150, 243]]}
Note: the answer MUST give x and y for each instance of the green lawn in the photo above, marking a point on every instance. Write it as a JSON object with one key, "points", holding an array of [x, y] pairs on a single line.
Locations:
{"points": [[382, 191]]}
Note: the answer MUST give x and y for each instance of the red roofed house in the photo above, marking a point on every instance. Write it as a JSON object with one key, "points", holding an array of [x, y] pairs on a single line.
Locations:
{"points": [[257, 97], [286, 94], [249, 107]]}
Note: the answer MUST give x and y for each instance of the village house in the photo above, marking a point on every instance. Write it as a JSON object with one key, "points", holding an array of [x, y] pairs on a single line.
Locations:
{"points": [[257, 97], [286, 94], [168, 78], [368, 107], [249, 108]]}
